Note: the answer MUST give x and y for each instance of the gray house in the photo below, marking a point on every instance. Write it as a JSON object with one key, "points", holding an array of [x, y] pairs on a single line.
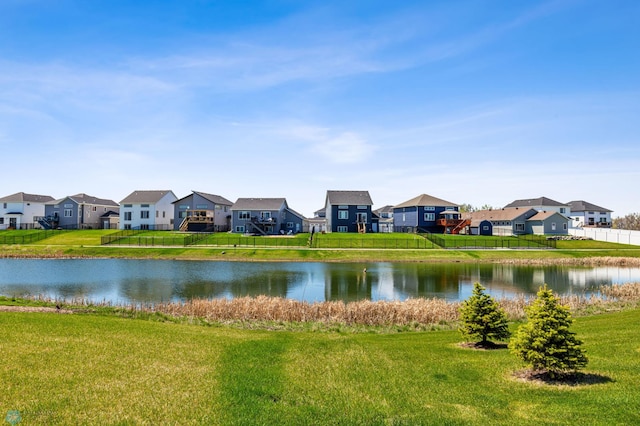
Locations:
{"points": [[508, 221], [202, 212], [80, 211], [548, 223], [265, 216], [349, 211]]}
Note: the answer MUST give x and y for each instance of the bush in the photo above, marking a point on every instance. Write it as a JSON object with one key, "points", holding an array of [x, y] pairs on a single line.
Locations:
{"points": [[481, 316], [545, 342]]}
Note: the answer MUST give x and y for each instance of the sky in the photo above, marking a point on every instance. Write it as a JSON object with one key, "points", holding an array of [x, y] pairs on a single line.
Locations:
{"points": [[476, 102]]}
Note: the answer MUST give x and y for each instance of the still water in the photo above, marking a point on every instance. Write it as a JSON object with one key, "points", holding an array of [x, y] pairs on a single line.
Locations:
{"points": [[138, 281]]}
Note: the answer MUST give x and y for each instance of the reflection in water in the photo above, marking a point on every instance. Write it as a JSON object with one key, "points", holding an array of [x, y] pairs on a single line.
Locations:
{"points": [[125, 281]]}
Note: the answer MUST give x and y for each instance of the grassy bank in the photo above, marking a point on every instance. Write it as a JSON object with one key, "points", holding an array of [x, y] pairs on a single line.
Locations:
{"points": [[88, 369], [345, 248]]}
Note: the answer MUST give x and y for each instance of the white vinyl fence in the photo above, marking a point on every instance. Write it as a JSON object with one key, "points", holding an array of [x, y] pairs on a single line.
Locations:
{"points": [[621, 236]]}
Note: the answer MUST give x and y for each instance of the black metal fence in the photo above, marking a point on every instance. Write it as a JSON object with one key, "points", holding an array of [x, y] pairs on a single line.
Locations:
{"points": [[373, 243], [480, 242], [27, 238]]}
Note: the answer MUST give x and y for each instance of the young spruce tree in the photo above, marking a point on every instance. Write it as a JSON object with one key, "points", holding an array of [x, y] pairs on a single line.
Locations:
{"points": [[481, 316], [545, 342]]}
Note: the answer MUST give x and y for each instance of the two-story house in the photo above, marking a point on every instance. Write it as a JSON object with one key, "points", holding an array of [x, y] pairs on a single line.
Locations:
{"points": [[80, 211], [542, 204], [585, 214], [349, 211], [22, 211], [265, 216], [426, 213], [202, 212], [147, 210]]}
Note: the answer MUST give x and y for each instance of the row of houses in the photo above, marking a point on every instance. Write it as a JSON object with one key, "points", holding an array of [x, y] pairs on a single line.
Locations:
{"points": [[343, 211]]}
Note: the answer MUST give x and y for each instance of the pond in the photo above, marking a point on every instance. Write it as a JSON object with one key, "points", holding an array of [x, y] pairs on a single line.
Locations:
{"points": [[121, 281]]}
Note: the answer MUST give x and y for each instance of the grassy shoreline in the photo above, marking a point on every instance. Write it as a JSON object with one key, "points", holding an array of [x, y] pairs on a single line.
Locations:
{"points": [[102, 369]]}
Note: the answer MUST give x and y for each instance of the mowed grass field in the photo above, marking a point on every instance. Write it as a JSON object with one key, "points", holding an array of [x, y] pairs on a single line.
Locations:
{"points": [[91, 369]]}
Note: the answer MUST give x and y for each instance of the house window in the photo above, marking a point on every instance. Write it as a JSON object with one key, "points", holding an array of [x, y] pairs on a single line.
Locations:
{"points": [[144, 226], [362, 207], [127, 226], [553, 226], [240, 229], [343, 207], [95, 208], [244, 215], [520, 227], [343, 214], [144, 206], [5, 205], [127, 215], [127, 206], [144, 214], [430, 208], [429, 217], [164, 214], [182, 215], [564, 226], [265, 215], [289, 225], [202, 206], [68, 212], [563, 210], [68, 206], [343, 229], [1, 220], [361, 217], [485, 227], [183, 206]]}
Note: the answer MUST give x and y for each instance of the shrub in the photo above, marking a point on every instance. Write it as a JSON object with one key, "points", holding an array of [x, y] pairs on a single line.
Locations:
{"points": [[481, 316], [545, 342]]}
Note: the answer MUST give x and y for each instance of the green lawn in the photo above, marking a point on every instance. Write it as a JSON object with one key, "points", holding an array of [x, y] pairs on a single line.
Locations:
{"points": [[89, 369]]}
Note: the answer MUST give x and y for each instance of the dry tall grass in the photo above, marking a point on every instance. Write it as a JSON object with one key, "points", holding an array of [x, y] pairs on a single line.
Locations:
{"points": [[411, 312], [371, 313]]}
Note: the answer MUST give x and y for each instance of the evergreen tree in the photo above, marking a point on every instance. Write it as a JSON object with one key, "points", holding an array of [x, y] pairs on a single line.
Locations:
{"points": [[545, 342], [481, 316]]}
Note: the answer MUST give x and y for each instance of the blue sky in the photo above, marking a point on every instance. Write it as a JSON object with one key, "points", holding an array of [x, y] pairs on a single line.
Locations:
{"points": [[479, 102]]}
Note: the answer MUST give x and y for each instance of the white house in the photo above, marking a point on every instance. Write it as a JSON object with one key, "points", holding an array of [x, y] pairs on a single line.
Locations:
{"points": [[22, 211], [584, 214], [147, 210]]}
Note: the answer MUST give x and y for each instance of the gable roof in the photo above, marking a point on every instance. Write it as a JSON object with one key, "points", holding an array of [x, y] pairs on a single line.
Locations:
{"points": [[384, 209], [147, 197], [359, 198], [21, 197], [507, 213], [546, 214], [530, 202], [426, 200], [259, 204], [87, 199], [583, 206], [215, 199]]}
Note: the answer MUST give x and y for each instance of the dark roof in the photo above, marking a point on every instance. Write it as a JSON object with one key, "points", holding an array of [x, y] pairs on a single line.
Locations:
{"points": [[21, 197], [583, 206], [215, 199], [147, 197], [259, 204], [353, 198], [385, 209], [426, 200], [531, 202], [507, 213], [87, 199]]}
